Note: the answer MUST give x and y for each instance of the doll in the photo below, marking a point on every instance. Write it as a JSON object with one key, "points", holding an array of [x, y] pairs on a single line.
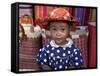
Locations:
{"points": [[31, 30]]}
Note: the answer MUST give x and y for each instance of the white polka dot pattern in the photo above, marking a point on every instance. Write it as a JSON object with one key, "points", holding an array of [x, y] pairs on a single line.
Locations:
{"points": [[60, 66], [60, 57], [58, 51], [64, 54], [45, 60]]}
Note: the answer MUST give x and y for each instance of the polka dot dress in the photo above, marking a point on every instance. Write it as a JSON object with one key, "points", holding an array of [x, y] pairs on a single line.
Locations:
{"points": [[60, 58]]}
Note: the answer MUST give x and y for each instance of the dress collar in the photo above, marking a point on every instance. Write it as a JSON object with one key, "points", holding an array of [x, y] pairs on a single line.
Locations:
{"points": [[70, 42]]}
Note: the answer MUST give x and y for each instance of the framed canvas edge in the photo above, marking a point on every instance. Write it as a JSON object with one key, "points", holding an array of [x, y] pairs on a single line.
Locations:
{"points": [[14, 36]]}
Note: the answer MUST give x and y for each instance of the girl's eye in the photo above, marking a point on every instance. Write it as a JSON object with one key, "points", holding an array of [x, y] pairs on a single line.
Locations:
{"points": [[63, 29], [54, 29]]}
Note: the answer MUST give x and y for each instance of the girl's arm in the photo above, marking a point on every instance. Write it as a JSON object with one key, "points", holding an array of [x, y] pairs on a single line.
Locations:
{"points": [[76, 58]]}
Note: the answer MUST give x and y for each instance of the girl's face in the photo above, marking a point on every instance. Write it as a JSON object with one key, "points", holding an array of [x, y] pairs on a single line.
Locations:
{"points": [[59, 32]]}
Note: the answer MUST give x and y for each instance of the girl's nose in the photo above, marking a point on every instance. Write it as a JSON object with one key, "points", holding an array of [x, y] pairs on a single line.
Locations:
{"points": [[58, 33]]}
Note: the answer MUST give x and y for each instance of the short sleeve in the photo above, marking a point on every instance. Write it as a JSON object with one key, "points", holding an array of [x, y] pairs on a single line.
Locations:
{"points": [[76, 58], [42, 57]]}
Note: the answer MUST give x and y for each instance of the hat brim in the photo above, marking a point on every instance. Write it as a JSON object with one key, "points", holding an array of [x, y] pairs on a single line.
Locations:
{"points": [[47, 20], [57, 20]]}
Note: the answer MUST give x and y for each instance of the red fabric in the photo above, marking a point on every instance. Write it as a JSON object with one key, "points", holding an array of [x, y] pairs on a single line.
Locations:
{"points": [[73, 11], [92, 46], [40, 14], [44, 13], [86, 15], [28, 51]]}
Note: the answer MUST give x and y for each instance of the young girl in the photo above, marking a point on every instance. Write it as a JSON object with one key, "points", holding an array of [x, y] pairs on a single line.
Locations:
{"points": [[60, 53]]}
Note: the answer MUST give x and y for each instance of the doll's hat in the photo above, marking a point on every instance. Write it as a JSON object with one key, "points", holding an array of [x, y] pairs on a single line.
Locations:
{"points": [[58, 14]]}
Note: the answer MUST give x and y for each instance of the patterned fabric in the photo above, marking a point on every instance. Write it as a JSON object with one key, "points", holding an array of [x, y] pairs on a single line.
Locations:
{"points": [[28, 50], [81, 14], [60, 58], [92, 44]]}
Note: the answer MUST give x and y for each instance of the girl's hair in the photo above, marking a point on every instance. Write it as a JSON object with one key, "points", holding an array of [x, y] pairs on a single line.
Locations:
{"points": [[70, 24]]}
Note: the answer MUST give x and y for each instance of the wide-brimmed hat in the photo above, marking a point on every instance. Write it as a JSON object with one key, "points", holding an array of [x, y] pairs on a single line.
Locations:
{"points": [[58, 14]]}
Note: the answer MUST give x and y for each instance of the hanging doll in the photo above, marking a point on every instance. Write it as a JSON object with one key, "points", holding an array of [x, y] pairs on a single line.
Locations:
{"points": [[30, 29]]}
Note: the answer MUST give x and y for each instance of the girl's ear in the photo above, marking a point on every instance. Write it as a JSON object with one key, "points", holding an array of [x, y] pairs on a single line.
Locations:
{"points": [[72, 27], [69, 36], [69, 32]]}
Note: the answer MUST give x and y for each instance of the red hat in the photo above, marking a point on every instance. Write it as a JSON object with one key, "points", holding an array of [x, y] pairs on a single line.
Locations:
{"points": [[58, 14]]}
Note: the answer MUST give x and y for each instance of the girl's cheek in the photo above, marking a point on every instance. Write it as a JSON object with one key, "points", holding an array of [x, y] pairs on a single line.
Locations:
{"points": [[53, 35], [62, 33]]}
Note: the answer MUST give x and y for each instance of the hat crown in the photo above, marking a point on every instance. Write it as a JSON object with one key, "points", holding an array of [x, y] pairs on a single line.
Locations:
{"points": [[60, 13]]}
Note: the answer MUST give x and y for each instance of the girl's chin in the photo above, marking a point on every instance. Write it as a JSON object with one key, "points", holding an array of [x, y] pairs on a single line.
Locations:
{"points": [[59, 42]]}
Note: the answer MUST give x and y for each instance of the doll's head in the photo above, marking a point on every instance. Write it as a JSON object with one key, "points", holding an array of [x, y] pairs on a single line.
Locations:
{"points": [[59, 31], [26, 19]]}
